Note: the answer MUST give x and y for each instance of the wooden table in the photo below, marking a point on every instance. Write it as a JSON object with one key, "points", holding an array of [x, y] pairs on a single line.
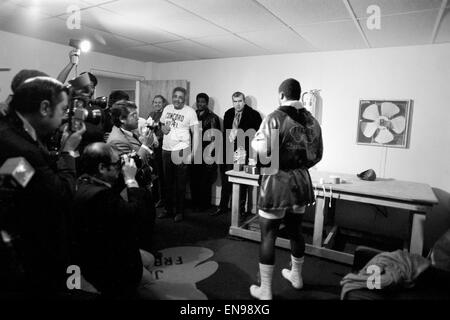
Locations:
{"points": [[416, 198]]}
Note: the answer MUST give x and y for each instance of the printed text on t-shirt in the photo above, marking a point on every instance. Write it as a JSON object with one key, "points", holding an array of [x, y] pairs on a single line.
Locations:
{"points": [[172, 119]]}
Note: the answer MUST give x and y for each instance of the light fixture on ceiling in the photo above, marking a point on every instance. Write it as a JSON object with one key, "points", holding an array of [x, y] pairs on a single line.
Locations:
{"points": [[82, 45]]}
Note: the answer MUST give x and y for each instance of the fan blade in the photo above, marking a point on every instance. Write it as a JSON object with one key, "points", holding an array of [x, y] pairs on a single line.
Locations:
{"points": [[388, 109], [398, 124], [371, 112], [368, 128], [384, 136]]}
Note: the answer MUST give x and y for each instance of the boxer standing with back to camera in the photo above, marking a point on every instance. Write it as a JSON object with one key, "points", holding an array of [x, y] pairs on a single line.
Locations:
{"points": [[286, 191]]}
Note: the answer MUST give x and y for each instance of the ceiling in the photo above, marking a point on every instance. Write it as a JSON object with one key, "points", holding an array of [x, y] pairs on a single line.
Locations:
{"points": [[178, 30]]}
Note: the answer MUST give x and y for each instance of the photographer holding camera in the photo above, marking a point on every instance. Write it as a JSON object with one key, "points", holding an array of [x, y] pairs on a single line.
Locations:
{"points": [[38, 222], [105, 225], [122, 138], [124, 141], [83, 91]]}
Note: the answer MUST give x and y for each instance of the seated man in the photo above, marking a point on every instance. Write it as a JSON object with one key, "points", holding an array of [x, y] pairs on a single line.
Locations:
{"points": [[105, 241]]}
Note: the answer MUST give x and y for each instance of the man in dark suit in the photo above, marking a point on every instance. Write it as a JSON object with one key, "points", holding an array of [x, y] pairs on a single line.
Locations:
{"points": [[239, 117], [204, 174], [106, 227], [94, 132], [38, 223], [114, 96]]}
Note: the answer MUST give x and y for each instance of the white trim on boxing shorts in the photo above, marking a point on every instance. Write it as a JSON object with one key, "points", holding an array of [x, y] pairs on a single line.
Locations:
{"points": [[280, 213]]}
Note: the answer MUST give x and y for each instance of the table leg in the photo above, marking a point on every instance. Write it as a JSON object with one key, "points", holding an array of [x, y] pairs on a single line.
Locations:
{"points": [[235, 201], [417, 227], [318, 222]]}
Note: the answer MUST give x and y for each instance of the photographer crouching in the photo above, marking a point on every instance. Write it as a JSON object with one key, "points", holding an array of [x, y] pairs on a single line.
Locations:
{"points": [[37, 223], [105, 225]]}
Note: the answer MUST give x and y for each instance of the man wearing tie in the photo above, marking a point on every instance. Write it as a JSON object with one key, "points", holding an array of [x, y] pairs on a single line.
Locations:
{"points": [[240, 116], [123, 140]]}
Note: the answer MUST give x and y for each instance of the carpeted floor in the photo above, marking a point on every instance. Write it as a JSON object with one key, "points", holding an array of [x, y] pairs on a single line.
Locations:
{"points": [[238, 260]]}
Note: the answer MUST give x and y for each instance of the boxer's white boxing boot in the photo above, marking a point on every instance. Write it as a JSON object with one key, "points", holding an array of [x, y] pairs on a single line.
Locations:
{"points": [[264, 291], [295, 274]]}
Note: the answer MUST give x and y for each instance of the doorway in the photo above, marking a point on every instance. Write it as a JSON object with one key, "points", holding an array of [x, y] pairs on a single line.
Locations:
{"points": [[108, 84]]}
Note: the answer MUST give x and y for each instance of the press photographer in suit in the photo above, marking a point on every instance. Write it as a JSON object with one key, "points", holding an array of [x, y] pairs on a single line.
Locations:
{"points": [[38, 222], [124, 141], [105, 226]]}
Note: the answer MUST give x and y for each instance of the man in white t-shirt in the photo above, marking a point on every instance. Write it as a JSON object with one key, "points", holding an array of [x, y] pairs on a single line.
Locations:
{"points": [[178, 122]]}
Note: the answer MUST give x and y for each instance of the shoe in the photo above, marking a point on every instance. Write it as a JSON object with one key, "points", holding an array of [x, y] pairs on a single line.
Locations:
{"points": [[259, 294], [218, 212], [297, 283], [164, 215], [178, 217]]}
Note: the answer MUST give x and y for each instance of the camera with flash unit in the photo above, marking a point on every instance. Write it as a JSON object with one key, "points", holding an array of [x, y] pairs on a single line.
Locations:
{"points": [[81, 107]]}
